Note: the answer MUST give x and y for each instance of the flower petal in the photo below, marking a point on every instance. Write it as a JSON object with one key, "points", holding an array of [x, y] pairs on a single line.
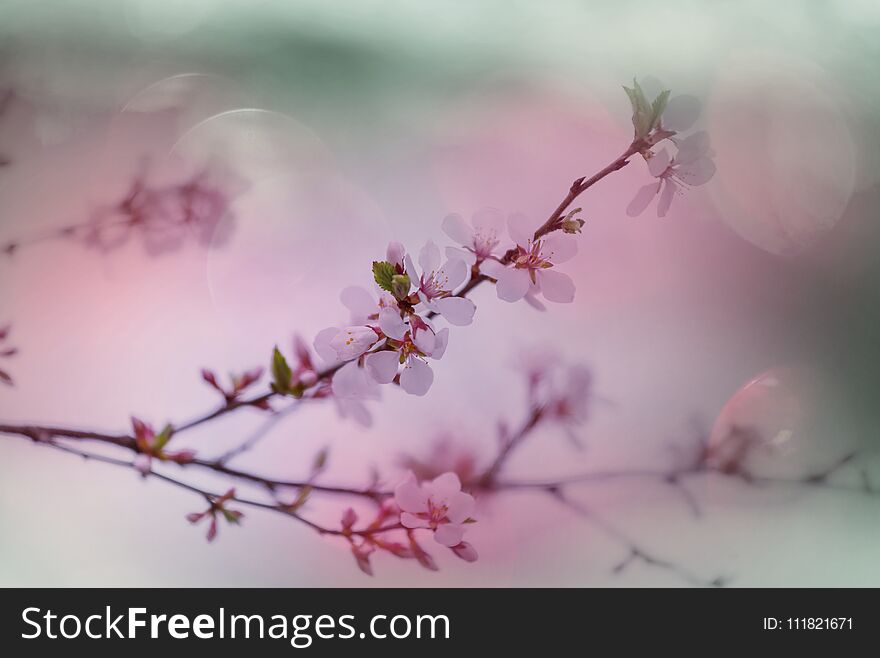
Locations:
{"points": [[442, 487], [441, 340], [520, 229], [492, 268], [351, 342], [391, 323], [409, 496], [360, 302], [512, 284], [408, 520], [429, 258], [488, 219], [681, 112], [458, 311], [698, 172], [458, 230], [322, 344], [692, 147], [534, 302], [642, 198], [351, 382], [417, 377], [354, 409], [382, 366], [460, 506], [425, 340], [659, 163], [452, 274], [449, 534], [556, 286], [558, 247], [666, 195], [468, 257]]}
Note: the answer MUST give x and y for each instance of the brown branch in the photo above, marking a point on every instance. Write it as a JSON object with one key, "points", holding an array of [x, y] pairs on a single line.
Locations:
{"points": [[635, 551], [280, 508]]}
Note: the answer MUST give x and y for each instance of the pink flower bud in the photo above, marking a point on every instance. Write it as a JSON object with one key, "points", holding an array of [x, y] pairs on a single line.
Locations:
{"points": [[349, 518], [465, 551], [395, 253]]}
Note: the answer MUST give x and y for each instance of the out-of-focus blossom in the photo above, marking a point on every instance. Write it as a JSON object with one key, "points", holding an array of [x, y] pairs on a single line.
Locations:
{"points": [[479, 239], [563, 392], [439, 505], [445, 456], [531, 270], [165, 217], [239, 384], [218, 506], [692, 165]]}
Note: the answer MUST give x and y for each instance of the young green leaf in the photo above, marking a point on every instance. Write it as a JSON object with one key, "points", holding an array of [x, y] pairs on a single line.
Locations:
{"points": [[281, 372], [162, 438], [658, 107], [383, 272], [643, 112]]}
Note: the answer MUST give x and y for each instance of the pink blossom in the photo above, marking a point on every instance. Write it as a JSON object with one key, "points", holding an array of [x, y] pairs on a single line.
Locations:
{"points": [[413, 343], [435, 285], [692, 165], [479, 240], [439, 505], [531, 271], [349, 343]]}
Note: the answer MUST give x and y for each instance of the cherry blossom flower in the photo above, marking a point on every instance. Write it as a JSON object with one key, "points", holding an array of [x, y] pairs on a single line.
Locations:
{"points": [[439, 505], [412, 345], [530, 272], [692, 165], [479, 239], [435, 285]]}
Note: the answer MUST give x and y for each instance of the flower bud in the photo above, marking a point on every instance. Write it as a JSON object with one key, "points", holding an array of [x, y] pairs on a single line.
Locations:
{"points": [[400, 285]]}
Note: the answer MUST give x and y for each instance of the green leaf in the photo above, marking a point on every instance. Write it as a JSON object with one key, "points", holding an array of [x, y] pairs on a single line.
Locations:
{"points": [[658, 107], [643, 112], [281, 372], [383, 272], [320, 461], [301, 499], [162, 438]]}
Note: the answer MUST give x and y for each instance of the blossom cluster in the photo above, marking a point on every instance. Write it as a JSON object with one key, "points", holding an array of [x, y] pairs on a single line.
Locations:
{"points": [[663, 120], [398, 327], [393, 335]]}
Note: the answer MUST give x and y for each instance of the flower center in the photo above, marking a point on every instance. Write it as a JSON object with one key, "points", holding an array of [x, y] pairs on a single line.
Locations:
{"points": [[532, 258], [485, 243], [436, 513]]}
